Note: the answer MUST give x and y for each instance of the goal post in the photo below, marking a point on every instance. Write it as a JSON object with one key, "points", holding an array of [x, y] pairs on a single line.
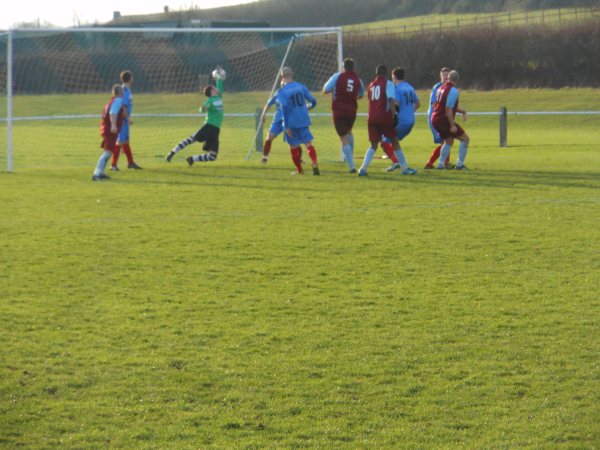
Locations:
{"points": [[55, 82]]}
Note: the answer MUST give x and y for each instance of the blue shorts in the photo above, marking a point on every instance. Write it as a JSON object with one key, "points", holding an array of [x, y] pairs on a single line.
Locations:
{"points": [[403, 129], [437, 139], [124, 133], [276, 128], [299, 136]]}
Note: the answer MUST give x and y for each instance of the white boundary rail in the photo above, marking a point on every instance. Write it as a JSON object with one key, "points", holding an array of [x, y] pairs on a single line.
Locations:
{"points": [[502, 115]]}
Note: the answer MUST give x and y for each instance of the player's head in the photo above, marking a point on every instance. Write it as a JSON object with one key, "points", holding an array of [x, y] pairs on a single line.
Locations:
{"points": [[126, 76], [117, 90], [348, 64], [381, 70], [453, 77], [398, 73], [287, 74], [444, 74], [210, 91]]}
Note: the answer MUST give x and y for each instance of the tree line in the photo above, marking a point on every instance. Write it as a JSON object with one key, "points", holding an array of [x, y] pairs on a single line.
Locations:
{"points": [[490, 57]]}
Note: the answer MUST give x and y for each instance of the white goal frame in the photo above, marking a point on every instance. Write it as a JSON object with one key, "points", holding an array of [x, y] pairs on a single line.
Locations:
{"points": [[10, 118]]}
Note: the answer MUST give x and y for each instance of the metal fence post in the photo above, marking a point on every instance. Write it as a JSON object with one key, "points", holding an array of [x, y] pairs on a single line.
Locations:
{"points": [[503, 127], [258, 143]]}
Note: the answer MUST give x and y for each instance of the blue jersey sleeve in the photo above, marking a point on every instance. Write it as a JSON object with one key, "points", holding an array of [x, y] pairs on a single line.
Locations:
{"points": [[272, 101], [127, 99], [390, 90], [390, 93], [116, 106], [309, 97], [278, 117], [330, 85], [452, 98], [433, 96]]}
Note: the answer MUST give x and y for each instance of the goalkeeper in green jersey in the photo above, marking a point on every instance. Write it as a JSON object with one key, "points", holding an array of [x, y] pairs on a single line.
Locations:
{"points": [[209, 133]]}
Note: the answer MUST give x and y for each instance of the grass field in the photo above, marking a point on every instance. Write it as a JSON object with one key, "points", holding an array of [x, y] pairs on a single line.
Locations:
{"points": [[232, 305], [548, 17]]}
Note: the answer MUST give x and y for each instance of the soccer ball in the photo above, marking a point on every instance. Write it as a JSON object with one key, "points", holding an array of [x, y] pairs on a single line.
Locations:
{"points": [[219, 74]]}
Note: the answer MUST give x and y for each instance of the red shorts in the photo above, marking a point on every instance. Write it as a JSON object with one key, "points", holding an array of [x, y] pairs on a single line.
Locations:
{"points": [[443, 129], [109, 142], [376, 130], [343, 123]]}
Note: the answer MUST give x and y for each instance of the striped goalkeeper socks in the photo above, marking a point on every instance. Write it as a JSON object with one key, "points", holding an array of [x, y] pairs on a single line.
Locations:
{"points": [[183, 144]]}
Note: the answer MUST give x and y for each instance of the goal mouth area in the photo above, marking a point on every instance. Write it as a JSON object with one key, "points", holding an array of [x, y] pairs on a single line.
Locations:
{"points": [[50, 75]]}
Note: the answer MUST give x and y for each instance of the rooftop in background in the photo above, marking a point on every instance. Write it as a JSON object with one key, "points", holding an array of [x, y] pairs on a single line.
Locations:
{"points": [[180, 19]]}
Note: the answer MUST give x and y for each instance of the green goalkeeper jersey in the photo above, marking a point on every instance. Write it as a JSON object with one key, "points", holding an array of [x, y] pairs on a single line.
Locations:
{"points": [[214, 107]]}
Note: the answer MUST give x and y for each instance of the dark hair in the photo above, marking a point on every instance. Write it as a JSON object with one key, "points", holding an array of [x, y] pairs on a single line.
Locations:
{"points": [[208, 89], [398, 73], [349, 64], [381, 70], [126, 76]]}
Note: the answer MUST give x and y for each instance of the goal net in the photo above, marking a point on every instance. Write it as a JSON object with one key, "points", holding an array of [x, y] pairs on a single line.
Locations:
{"points": [[54, 83]]}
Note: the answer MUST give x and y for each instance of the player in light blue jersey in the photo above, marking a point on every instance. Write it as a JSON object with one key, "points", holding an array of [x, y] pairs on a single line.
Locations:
{"points": [[293, 98], [406, 102], [123, 141]]}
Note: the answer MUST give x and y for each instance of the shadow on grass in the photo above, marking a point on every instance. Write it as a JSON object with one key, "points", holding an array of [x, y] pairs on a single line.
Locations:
{"points": [[336, 176]]}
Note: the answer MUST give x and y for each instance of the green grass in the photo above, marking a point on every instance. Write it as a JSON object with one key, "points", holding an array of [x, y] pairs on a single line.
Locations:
{"points": [[548, 17], [232, 305]]}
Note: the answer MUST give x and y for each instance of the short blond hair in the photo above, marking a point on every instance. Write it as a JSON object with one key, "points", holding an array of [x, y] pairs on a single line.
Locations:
{"points": [[453, 76], [287, 73]]}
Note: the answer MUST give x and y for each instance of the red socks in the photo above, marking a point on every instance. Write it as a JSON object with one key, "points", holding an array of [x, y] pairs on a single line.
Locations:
{"points": [[117, 152], [312, 154], [115, 156], [434, 156], [127, 151], [297, 158], [267, 148], [389, 151]]}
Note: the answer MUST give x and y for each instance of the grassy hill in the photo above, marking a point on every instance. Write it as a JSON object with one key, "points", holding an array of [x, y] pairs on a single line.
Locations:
{"points": [[347, 12], [415, 24]]}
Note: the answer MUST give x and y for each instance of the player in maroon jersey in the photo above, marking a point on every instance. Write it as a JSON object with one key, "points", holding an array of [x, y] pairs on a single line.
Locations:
{"points": [[345, 88], [381, 94], [442, 119], [113, 115], [436, 138]]}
